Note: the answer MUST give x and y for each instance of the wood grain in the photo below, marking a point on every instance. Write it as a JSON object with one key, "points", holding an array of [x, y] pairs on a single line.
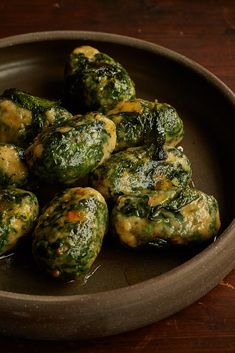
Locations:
{"points": [[203, 31]]}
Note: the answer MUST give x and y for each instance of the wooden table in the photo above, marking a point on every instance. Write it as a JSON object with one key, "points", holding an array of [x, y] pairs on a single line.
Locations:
{"points": [[205, 32]]}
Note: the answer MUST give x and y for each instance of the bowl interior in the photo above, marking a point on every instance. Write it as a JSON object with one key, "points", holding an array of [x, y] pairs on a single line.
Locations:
{"points": [[207, 114]]}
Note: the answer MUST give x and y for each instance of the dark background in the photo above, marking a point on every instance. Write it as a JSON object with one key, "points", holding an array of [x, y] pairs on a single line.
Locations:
{"points": [[203, 31]]}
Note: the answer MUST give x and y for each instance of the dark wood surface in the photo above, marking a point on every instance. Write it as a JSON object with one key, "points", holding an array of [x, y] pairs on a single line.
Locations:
{"points": [[203, 31]]}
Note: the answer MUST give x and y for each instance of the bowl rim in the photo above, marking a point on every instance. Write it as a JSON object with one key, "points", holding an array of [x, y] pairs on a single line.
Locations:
{"points": [[207, 258]]}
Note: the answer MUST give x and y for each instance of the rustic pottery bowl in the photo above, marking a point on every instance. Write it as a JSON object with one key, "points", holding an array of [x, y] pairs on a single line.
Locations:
{"points": [[125, 289]]}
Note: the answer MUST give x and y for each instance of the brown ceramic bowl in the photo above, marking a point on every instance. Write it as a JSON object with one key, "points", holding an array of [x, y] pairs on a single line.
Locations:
{"points": [[125, 289]]}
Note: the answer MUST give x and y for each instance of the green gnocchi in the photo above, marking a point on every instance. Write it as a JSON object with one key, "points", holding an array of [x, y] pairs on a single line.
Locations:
{"points": [[137, 169], [178, 216], [69, 152], [95, 81], [23, 115], [69, 233], [140, 122]]}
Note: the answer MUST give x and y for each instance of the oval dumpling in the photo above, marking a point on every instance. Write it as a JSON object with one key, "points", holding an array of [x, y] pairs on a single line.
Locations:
{"points": [[69, 233], [95, 81], [18, 212], [179, 216], [23, 116], [67, 153], [140, 122], [136, 170]]}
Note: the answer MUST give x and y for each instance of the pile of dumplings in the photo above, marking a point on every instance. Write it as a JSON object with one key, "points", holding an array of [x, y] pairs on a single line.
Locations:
{"points": [[112, 157]]}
